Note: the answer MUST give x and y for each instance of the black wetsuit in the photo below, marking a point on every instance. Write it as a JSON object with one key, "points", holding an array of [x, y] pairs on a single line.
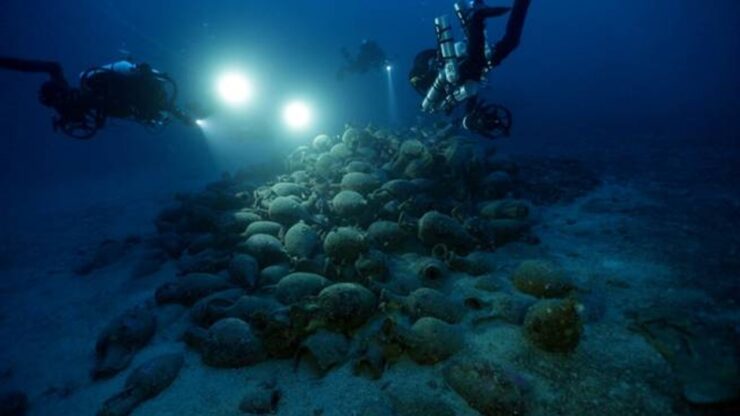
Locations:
{"points": [[140, 94], [513, 34], [476, 63], [370, 57], [428, 63]]}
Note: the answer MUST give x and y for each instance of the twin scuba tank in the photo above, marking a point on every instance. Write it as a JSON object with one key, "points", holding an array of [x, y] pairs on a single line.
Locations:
{"points": [[447, 90]]}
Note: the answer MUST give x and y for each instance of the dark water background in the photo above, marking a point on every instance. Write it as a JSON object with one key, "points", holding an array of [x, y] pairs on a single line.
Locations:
{"points": [[641, 87]]}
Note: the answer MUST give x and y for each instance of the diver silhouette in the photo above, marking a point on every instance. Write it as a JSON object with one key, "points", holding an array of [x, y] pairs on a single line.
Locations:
{"points": [[122, 89], [369, 57], [454, 73]]}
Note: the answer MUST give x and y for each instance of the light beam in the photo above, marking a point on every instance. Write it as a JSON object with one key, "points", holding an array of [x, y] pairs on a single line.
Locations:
{"points": [[235, 88], [297, 115]]}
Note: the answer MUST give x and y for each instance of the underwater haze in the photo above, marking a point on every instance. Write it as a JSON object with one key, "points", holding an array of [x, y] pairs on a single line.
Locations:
{"points": [[291, 234]]}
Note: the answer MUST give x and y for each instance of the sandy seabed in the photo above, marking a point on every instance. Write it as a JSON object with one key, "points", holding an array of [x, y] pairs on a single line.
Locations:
{"points": [[50, 318]]}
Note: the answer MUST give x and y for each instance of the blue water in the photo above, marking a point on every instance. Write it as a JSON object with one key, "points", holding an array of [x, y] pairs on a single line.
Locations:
{"points": [[646, 95]]}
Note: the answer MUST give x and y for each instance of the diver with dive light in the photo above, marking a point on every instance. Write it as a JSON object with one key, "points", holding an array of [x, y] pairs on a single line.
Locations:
{"points": [[370, 56], [121, 90], [455, 72]]}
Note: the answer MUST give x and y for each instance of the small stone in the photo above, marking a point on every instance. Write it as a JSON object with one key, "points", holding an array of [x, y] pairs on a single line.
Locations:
{"points": [[260, 400]]}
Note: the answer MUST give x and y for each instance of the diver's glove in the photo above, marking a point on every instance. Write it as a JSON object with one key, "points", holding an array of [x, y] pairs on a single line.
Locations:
{"points": [[488, 120]]}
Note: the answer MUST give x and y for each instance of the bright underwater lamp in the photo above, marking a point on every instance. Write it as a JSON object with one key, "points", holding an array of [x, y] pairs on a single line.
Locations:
{"points": [[297, 115], [235, 88], [389, 67]]}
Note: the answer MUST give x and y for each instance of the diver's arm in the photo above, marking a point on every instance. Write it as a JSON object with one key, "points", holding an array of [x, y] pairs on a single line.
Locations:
{"points": [[54, 69], [513, 34]]}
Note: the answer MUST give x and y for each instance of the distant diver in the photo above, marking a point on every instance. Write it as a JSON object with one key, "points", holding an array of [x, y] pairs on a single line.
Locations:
{"points": [[455, 72], [370, 57], [123, 90]]}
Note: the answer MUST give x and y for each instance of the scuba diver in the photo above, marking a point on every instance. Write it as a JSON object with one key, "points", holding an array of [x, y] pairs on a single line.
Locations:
{"points": [[122, 90], [456, 72], [369, 57]]}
